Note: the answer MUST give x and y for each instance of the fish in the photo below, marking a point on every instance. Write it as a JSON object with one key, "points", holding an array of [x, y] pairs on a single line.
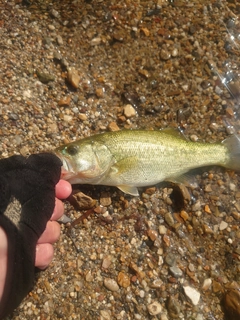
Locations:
{"points": [[129, 159]]}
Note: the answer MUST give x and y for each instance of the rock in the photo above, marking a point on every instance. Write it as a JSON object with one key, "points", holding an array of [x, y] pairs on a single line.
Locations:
{"points": [[169, 219], [207, 284], [223, 225], [105, 199], [73, 77], [45, 77], [129, 111], [82, 202], [106, 262], [111, 284], [162, 229], [113, 126], [176, 271], [123, 279], [64, 101], [82, 116], [152, 234], [192, 294], [154, 308]]}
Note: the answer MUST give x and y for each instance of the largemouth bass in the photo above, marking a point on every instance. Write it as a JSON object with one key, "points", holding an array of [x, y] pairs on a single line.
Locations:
{"points": [[136, 158]]}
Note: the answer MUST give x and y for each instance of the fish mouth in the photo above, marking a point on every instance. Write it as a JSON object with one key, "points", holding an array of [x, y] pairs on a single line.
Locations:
{"points": [[66, 170]]}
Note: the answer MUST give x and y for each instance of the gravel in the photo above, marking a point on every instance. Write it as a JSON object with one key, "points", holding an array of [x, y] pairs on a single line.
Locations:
{"points": [[70, 69]]}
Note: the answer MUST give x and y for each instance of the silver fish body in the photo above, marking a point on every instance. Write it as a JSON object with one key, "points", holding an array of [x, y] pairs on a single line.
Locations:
{"points": [[135, 158]]}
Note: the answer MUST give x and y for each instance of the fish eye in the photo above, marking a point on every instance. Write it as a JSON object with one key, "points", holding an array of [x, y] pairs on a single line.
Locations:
{"points": [[72, 150]]}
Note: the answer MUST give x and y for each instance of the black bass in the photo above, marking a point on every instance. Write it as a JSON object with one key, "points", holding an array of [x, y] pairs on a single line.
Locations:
{"points": [[136, 158]]}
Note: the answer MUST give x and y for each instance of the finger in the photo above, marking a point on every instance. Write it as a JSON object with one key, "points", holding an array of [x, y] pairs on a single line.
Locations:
{"points": [[63, 189], [44, 255], [58, 210], [51, 234]]}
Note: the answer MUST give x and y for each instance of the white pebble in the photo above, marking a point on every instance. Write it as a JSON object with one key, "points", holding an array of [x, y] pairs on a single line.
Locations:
{"points": [[206, 284], [192, 294], [223, 225]]}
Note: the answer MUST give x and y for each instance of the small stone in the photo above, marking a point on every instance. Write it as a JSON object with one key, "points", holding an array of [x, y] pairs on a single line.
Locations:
{"points": [[184, 215], [24, 151], [154, 308], [105, 315], [192, 294], [55, 13], [73, 77], [123, 280], [196, 206], [216, 286], [89, 276], [177, 272], [129, 111], [59, 40], [113, 126], [106, 262], [51, 27], [44, 77], [157, 283], [100, 92], [152, 234], [223, 225], [208, 188], [105, 199], [145, 31], [162, 229], [82, 202], [169, 219], [82, 116], [207, 284], [64, 101], [111, 284], [170, 259]]}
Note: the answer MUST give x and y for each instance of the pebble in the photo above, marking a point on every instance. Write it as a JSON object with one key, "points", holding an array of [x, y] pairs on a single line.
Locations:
{"points": [[82, 201], [152, 234], [106, 262], [123, 279], [45, 77], [111, 284], [105, 199], [154, 308], [162, 229], [73, 77], [177, 272], [206, 284], [129, 111], [192, 294], [169, 219], [223, 225]]}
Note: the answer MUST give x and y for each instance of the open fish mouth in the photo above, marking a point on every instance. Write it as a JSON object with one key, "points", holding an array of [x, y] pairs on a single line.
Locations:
{"points": [[66, 170]]}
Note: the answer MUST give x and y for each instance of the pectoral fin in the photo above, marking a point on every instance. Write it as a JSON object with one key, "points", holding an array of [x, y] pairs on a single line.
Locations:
{"points": [[124, 171], [129, 190]]}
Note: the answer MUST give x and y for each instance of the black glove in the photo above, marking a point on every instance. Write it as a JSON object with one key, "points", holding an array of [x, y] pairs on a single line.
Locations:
{"points": [[27, 200]]}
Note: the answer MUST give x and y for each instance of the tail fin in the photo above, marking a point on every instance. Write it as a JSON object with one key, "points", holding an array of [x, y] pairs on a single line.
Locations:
{"points": [[233, 145]]}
